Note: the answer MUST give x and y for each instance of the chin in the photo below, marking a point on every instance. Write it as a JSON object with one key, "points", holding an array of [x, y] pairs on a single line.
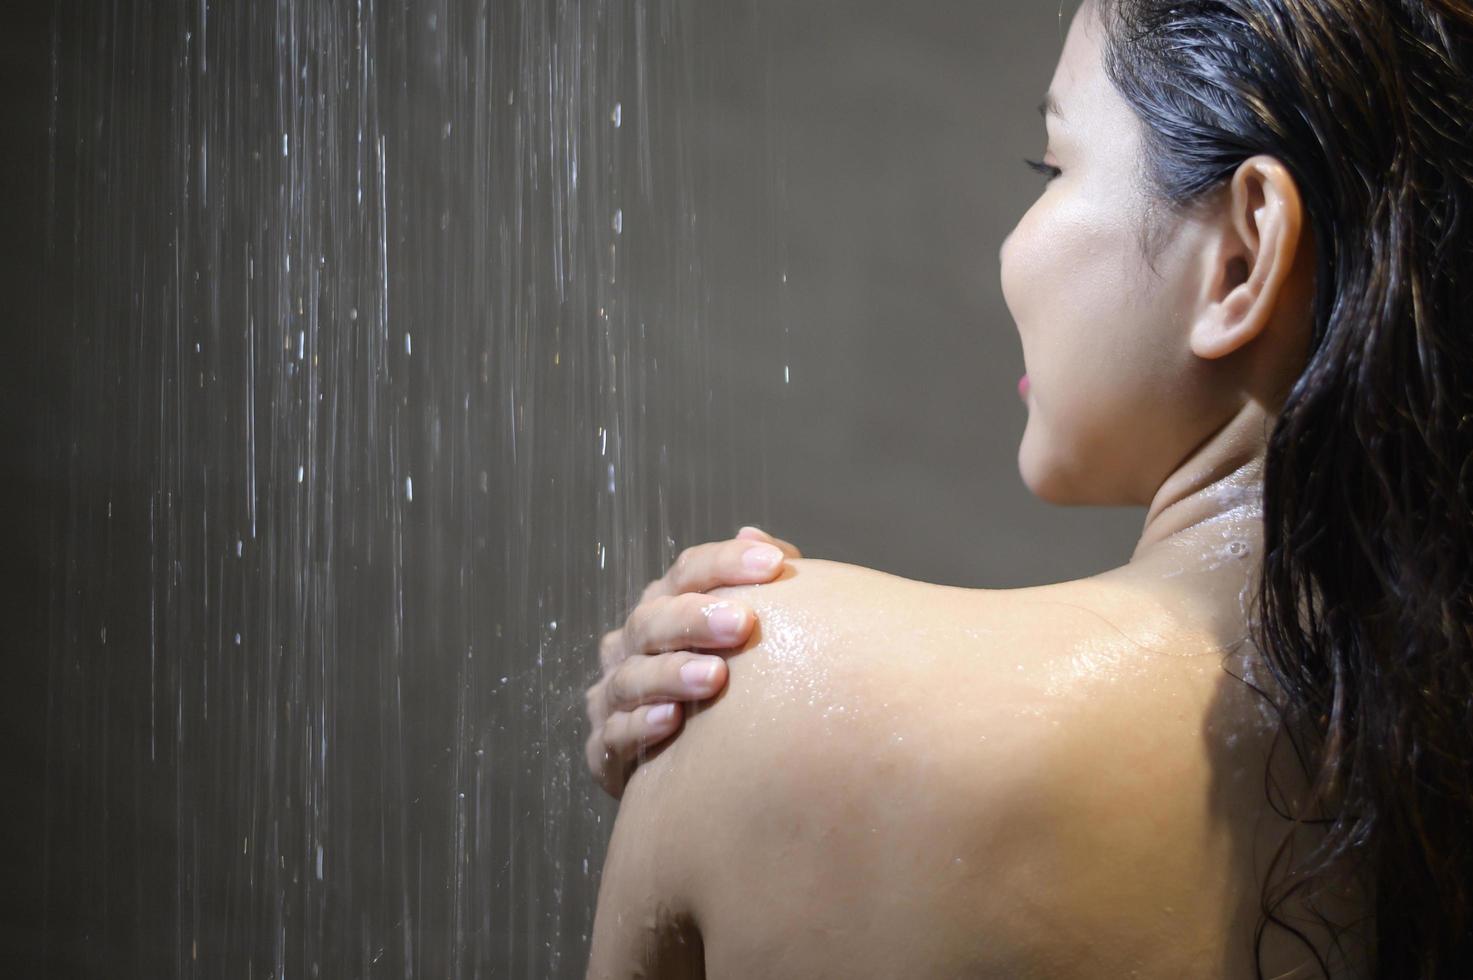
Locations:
{"points": [[1043, 480], [1048, 478]]}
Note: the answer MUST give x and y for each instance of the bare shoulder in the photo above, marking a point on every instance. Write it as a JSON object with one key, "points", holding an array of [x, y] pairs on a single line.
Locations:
{"points": [[1027, 782], [838, 818]]}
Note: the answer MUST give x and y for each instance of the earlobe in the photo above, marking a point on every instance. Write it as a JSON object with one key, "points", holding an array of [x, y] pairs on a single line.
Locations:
{"points": [[1257, 242]]}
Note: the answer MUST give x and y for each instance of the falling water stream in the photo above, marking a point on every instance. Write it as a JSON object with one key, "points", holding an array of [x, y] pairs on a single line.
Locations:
{"points": [[389, 334]]}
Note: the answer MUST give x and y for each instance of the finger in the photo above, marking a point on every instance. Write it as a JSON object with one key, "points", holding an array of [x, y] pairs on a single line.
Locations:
{"points": [[606, 768], [685, 621], [627, 733], [682, 676], [751, 533], [596, 704], [732, 562], [611, 650]]}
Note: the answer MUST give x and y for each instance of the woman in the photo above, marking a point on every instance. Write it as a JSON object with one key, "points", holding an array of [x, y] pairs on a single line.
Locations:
{"points": [[1243, 301]]}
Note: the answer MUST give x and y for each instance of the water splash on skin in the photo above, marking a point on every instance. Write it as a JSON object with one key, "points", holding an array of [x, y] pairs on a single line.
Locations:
{"points": [[798, 648]]}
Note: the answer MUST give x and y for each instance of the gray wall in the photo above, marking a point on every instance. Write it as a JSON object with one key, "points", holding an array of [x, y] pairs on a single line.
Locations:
{"points": [[903, 128], [407, 410]]}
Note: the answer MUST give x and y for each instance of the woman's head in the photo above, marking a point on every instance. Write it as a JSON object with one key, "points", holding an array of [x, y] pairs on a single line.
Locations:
{"points": [[1355, 116], [1146, 324]]}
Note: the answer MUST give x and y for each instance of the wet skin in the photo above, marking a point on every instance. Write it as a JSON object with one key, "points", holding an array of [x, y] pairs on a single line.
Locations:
{"points": [[905, 779]]}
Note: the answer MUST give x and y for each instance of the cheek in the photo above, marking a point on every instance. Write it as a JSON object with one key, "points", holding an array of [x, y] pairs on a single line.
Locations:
{"points": [[1098, 344]]}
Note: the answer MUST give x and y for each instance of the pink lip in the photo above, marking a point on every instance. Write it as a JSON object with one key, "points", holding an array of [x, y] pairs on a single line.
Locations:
{"points": [[1023, 387]]}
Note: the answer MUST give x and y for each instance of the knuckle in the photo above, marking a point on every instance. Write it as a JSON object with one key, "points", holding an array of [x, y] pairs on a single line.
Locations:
{"points": [[681, 572], [618, 691], [633, 629], [641, 622], [612, 734], [623, 743], [628, 685], [611, 649]]}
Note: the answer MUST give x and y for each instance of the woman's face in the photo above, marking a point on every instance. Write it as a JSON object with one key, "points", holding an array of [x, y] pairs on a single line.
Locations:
{"points": [[1115, 402]]}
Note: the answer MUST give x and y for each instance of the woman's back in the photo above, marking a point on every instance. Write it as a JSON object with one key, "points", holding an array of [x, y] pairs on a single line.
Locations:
{"points": [[914, 780]]}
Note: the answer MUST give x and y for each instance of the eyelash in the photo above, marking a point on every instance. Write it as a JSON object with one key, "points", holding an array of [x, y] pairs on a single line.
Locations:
{"points": [[1038, 166]]}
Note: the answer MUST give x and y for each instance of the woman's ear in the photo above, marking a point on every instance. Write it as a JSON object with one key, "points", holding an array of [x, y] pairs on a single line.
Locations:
{"points": [[1253, 254]]}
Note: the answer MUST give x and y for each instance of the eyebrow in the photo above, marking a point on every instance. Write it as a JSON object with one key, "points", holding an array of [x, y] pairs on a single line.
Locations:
{"points": [[1050, 105]]}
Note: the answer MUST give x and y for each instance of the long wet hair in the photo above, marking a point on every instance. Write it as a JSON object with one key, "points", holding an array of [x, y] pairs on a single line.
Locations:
{"points": [[1364, 612]]}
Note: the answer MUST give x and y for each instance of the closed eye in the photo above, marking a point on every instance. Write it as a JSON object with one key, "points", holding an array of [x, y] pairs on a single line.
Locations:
{"points": [[1038, 166]]}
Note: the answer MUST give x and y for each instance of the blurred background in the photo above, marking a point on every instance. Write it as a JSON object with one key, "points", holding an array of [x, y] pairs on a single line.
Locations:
{"points": [[366, 358]]}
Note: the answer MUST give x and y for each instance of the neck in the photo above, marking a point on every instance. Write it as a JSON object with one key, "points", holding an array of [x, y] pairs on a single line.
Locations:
{"points": [[1220, 482]]}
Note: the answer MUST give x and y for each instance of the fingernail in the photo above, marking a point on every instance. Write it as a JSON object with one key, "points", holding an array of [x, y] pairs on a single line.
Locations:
{"points": [[725, 620], [660, 713], [762, 558], [698, 674]]}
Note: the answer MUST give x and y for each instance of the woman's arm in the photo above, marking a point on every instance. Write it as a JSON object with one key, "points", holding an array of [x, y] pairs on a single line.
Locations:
{"points": [[643, 926]]}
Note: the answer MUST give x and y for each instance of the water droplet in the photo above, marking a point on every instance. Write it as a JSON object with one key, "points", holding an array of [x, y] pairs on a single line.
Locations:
{"points": [[301, 472], [409, 488], [618, 221], [617, 116], [409, 344]]}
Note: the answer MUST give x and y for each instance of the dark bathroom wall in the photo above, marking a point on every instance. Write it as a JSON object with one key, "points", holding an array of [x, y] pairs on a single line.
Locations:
{"points": [[26, 390], [903, 128], [297, 687]]}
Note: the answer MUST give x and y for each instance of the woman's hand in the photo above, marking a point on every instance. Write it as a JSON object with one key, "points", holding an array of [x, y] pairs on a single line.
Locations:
{"points": [[649, 665]]}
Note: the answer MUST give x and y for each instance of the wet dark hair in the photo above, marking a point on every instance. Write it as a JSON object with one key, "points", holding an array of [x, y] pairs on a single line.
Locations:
{"points": [[1363, 613]]}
